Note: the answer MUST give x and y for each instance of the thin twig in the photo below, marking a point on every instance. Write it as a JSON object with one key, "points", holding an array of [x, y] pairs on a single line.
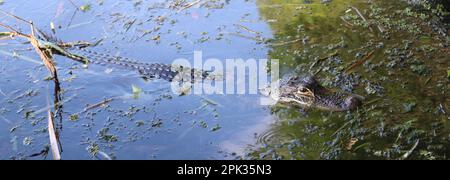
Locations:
{"points": [[104, 102], [247, 29], [362, 17], [53, 137], [360, 14], [285, 43], [2, 93], [14, 32], [323, 58], [71, 2], [14, 16], [346, 22], [358, 63], [46, 58], [189, 5], [342, 127], [72, 18], [20, 19], [407, 154], [380, 28], [257, 38]]}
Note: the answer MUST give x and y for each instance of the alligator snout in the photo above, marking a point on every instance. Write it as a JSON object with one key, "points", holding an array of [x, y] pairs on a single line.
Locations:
{"points": [[352, 102]]}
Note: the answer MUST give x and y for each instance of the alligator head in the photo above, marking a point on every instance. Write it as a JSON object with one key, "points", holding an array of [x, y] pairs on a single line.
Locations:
{"points": [[306, 91]]}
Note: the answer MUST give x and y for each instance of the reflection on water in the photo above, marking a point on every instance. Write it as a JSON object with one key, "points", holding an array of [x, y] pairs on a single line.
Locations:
{"points": [[380, 50]]}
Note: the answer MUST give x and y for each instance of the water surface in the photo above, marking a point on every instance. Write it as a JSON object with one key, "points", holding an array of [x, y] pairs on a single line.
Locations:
{"points": [[403, 80]]}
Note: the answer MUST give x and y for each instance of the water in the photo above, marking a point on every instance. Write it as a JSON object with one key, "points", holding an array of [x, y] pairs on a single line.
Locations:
{"points": [[406, 96], [157, 125], [405, 114]]}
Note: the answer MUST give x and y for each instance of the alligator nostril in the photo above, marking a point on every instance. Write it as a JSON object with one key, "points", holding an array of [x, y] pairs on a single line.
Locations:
{"points": [[352, 102]]}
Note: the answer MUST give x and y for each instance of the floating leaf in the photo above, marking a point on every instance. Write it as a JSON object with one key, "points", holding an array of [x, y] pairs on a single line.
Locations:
{"points": [[48, 78], [28, 114], [73, 117], [85, 8], [350, 144], [27, 141], [136, 91], [156, 38], [184, 90], [93, 149], [140, 123], [13, 129], [157, 123], [448, 74], [216, 128], [210, 102], [104, 135], [408, 107], [203, 124]]}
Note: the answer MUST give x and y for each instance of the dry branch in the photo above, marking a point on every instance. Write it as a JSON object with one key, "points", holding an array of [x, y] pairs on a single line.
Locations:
{"points": [[187, 6], [361, 15], [358, 63], [54, 145], [46, 57]]}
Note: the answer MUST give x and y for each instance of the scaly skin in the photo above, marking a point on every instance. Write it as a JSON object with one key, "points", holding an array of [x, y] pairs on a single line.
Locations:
{"points": [[306, 91], [76, 51]]}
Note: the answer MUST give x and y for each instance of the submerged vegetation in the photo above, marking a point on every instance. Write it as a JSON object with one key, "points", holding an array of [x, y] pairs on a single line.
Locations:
{"points": [[388, 51]]}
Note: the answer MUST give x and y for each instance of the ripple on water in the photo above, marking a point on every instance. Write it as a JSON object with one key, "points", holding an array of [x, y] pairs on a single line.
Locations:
{"points": [[266, 137]]}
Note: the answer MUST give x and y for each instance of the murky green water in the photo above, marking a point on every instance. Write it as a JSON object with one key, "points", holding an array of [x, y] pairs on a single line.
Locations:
{"points": [[403, 79]]}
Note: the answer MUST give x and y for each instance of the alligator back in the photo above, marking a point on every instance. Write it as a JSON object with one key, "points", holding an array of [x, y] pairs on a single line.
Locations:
{"points": [[148, 70]]}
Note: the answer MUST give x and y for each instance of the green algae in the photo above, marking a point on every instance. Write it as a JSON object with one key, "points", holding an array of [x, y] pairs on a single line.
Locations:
{"points": [[402, 81]]}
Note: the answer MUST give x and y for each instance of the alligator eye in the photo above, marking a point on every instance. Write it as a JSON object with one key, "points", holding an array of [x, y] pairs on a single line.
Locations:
{"points": [[303, 90]]}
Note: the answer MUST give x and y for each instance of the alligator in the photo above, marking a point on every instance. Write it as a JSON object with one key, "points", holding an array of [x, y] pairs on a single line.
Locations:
{"points": [[77, 51], [306, 91], [294, 89]]}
